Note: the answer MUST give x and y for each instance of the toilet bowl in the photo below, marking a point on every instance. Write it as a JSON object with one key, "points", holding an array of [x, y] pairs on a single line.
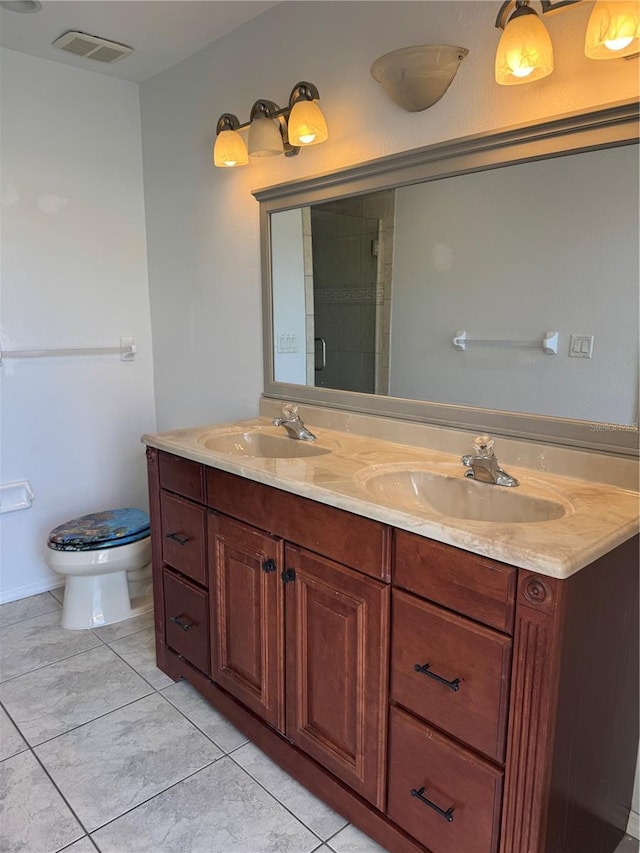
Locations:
{"points": [[106, 561]]}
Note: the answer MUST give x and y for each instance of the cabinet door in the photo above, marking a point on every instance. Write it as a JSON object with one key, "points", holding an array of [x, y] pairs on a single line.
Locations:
{"points": [[247, 624], [337, 659]]}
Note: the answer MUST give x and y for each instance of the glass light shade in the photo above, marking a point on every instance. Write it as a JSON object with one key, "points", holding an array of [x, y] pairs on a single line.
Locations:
{"points": [[306, 124], [525, 52], [229, 149], [613, 30], [264, 138], [416, 77]]}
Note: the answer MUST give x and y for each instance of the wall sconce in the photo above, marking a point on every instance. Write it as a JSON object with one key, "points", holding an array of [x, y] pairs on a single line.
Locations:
{"points": [[525, 52], [416, 77], [273, 130]]}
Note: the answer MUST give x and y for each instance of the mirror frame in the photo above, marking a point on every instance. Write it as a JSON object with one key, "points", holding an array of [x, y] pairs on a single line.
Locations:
{"points": [[611, 126]]}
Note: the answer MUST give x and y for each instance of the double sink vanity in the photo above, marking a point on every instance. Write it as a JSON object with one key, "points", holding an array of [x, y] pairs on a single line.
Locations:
{"points": [[451, 665]]}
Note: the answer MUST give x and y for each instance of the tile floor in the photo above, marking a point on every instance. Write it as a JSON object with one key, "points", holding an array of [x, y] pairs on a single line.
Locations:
{"points": [[100, 750]]}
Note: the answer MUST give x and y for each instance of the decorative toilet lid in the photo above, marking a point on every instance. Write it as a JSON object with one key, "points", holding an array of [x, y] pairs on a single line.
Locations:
{"points": [[107, 529]]}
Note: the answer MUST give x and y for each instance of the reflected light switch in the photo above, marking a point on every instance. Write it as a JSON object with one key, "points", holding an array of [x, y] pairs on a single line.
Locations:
{"points": [[581, 346]]}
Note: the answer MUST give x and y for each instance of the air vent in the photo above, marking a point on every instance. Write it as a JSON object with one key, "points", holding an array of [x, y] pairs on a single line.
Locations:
{"points": [[91, 47]]}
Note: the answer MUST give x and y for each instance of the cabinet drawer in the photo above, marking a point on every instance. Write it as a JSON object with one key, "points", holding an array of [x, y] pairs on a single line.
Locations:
{"points": [[474, 586], [358, 542], [183, 536], [186, 620], [426, 766], [463, 684], [182, 476]]}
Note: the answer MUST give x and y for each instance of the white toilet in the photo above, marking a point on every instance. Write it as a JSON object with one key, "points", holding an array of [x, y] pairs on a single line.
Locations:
{"points": [[106, 560]]}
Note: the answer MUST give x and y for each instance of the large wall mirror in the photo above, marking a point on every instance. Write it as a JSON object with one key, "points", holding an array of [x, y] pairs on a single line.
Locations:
{"points": [[488, 283]]}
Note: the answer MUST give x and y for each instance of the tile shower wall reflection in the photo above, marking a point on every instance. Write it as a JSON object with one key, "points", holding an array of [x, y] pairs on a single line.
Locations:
{"points": [[352, 251]]}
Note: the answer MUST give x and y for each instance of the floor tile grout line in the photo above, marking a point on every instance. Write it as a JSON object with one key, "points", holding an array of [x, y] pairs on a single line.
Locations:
{"points": [[70, 657], [88, 722], [51, 779], [273, 796], [154, 796], [49, 663], [195, 725], [144, 678]]}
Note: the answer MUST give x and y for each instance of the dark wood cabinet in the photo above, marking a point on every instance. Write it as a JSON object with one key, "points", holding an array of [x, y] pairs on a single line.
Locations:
{"points": [[337, 664], [440, 700], [247, 624]]}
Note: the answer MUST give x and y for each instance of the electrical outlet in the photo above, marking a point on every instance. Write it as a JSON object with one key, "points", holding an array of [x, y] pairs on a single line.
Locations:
{"points": [[581, 346]]}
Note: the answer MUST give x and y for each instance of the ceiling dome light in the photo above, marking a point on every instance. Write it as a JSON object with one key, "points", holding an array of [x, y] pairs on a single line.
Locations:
{"points": [[416, 77], [613, 30], [22, 6], [525, 52]]}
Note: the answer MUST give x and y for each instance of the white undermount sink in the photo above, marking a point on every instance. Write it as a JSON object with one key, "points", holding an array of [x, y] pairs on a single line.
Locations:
{"points": [[456, 497], [259, 444]]}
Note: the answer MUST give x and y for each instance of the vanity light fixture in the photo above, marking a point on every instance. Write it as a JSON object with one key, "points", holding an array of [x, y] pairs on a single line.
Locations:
{"points": [[273, 130], [525, 52]]}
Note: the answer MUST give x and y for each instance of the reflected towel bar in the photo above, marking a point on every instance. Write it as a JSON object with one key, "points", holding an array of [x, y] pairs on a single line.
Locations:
{"points": [[127, 351], [549, 343]]}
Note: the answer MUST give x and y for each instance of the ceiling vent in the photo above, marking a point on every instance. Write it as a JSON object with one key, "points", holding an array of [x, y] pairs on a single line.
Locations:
{"points": [[91, 47]]}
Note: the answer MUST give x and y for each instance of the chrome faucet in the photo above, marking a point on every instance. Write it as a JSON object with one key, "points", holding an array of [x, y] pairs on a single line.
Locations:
{"points": [[484, 466], [293, 423]]}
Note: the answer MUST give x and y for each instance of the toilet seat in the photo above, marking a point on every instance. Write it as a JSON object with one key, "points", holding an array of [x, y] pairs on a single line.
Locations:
{"points": [[108, 529], [106, 560]]}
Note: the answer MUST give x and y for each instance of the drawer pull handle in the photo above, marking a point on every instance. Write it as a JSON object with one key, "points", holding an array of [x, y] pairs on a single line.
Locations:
{"points": [[419, 794], [269, 566], [425, 670], [184, 625], [288, 575], [181, 540]]}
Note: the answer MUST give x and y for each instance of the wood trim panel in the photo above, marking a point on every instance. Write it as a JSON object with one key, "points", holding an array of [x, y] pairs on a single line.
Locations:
{"points": [[358, 542], [155, 518], [597, 726], [534, 691]]}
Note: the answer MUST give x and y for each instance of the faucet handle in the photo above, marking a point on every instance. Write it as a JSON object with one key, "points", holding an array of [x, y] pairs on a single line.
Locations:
{"points": [[483, 445], [290, 410]]}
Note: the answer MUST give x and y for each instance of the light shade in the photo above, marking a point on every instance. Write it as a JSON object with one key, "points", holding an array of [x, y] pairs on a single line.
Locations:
{"points": [[613, 30], [306, 124], [416, 77], [525, 52], [265, 139], [230, 149]]}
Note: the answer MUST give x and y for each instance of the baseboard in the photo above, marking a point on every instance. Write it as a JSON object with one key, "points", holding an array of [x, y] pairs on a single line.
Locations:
{"points": [[633, 827], [45, 585]]}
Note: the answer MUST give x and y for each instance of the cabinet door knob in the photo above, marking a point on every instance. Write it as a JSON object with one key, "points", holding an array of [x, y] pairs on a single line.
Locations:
{"points": [[181, 540], [184, 625], [446, 814], [288, 575], [425, 670], [269, 566]]}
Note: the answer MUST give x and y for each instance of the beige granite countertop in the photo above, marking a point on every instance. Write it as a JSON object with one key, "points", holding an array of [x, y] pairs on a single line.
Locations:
{"points": [[596, 517]]}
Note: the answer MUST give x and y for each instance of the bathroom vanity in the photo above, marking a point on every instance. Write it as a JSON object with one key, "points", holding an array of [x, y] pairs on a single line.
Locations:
{"points": [[448, 684]]}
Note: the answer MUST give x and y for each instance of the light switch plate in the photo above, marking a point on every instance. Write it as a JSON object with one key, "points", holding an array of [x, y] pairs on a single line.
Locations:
{"points": [[581, 346]]}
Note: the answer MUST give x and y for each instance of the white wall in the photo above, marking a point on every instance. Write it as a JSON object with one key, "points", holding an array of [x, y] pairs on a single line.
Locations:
{"points": [[74, 274], [202, 222], [511, 254]]}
